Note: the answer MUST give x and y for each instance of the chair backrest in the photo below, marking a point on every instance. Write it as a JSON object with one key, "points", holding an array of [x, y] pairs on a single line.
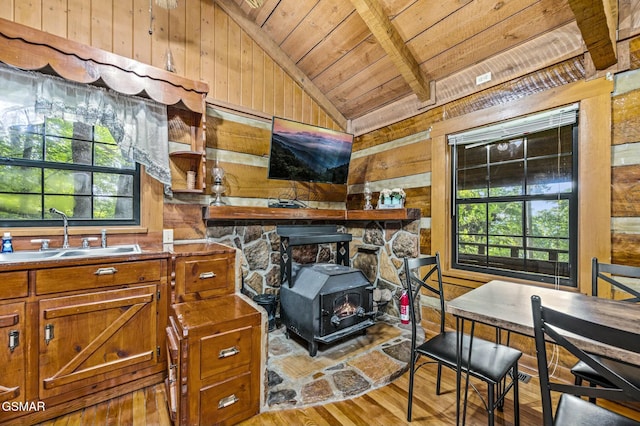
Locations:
{"points": [[418, 272], [599, 271], [556, 325]]}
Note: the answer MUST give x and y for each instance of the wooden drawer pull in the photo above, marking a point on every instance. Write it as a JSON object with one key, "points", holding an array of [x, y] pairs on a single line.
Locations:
{"points": [[207, 275], [229, 352], [105, 271], [225, 402]]}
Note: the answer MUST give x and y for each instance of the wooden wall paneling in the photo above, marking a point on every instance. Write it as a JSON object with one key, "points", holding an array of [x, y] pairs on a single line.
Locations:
{"points": [[251, 182], [307, 107], [220, 86], [79, 21], [278, 91], [287, 94], [235, 63], [258, 83], [177, 31], [625, 249], [230, 135], [6, 9], [160, 36], [247, 70], [208, 47], [54, 17], [269, 66], [102, 25], [283, 19], [625, 191], [425, 241], [625, 118], [297, 102], [193, 39], [185, 220], [29, 13], [419, 198], [123, 28], [141, 43], [393, 163], [407, 127]]}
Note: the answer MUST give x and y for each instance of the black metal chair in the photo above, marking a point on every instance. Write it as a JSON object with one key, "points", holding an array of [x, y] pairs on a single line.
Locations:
{"points": [[610, 273], [490, 362], [571, 409]]}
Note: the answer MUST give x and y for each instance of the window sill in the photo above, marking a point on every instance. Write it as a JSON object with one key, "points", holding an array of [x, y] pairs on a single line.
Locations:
{"points": [[36, 232]]}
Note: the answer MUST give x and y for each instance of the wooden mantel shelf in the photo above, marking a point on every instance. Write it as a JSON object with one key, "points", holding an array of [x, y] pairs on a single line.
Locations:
{"points": [[212, 213]]}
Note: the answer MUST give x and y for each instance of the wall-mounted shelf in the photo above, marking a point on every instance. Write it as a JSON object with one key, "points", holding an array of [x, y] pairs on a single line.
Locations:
{"points": [[187, 130], [213, 213]]}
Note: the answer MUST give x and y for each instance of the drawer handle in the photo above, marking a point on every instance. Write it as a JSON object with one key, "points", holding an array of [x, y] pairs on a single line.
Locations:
{"points": [[225, 402], [229, 352], [207, 275], [105, 271]]}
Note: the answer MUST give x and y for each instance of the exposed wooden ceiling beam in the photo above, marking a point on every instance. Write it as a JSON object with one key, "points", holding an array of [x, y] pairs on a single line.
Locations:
{"points": [[597, 20], [373, 15], [280, 58]]}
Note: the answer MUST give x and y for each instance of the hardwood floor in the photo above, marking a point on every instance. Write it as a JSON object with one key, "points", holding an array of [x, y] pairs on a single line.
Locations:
{"points": [[385, 406]]}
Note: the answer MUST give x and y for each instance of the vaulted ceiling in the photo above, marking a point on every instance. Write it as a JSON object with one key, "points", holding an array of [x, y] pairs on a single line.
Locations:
{"points": [[360, 57]]}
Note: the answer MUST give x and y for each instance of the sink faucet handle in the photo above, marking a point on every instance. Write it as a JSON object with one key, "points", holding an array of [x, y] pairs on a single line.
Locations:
{"points": [[44, 243], [85, 241]]}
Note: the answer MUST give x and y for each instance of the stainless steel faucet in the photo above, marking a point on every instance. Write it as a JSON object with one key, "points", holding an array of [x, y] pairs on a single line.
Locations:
{"points": [[65, 222]]}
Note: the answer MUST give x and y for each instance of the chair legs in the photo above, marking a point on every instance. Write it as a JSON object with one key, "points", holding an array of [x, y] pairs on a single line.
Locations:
{"points": [[412, 365], [578, 382], [438, 378], [492, 404]]}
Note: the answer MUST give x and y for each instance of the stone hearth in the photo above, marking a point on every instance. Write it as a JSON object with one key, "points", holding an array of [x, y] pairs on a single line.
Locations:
{"points": [[339, 371]]}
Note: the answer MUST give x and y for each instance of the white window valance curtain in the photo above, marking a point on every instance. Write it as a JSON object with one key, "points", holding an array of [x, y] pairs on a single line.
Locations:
{"points": [[546, 120], [138, 125]]}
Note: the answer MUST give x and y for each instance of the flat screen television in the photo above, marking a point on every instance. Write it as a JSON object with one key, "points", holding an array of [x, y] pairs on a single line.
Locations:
{"points": [[308, 153]]}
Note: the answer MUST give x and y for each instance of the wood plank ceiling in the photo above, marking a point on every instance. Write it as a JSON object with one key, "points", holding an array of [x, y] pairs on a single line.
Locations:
{"points": [[356, 57]]}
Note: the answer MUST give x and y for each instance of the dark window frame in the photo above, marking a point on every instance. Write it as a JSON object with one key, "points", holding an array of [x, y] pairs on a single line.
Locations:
{"points": [[572, 268], [75, 167]]}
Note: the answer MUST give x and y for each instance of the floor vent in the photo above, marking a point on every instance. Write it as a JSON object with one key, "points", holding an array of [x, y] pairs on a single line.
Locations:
{"points": [[523, 377]]}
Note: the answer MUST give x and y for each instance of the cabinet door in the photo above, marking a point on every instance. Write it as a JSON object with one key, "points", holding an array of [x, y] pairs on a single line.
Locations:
{"points": [[12, 352], [91, 338]]}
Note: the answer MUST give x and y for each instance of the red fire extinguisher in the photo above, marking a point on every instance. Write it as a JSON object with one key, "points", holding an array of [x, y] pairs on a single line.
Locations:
{"points": [[404, 307]]}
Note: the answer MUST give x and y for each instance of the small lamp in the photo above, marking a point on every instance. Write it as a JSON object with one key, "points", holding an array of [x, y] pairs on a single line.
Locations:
{"points": [[218, 188]]}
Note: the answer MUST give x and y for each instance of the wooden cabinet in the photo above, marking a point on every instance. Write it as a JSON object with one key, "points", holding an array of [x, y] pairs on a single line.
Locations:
{"points": [[12, 352], [204, 275], [86, 339], [214, 361], [74, 333], [187, 149]]}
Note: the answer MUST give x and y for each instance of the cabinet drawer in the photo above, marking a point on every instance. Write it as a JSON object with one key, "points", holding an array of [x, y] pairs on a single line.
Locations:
{"points": [[94, 276], [225, 351], [14, 284], [225, 400], [209, 276]]}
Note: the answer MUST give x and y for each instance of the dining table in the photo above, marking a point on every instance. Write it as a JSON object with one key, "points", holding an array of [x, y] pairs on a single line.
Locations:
{"points": [[506, 305]]}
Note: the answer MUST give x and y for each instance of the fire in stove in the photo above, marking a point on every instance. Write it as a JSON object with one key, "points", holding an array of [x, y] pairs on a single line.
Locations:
{"points": [[326, 302]]}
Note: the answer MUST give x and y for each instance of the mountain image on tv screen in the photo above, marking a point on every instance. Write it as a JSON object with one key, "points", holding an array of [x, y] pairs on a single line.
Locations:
{"points": [[307, 153]]}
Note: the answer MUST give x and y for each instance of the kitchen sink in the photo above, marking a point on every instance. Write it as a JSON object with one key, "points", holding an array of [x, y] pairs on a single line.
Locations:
{"points": [[50, 254]]}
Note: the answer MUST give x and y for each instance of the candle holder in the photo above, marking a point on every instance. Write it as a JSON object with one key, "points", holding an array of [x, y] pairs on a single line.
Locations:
{"points": [[367, 196], [218, 188]]}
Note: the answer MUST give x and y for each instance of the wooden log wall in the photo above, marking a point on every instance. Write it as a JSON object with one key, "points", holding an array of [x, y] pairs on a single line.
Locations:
{"points": [[204, 42]]}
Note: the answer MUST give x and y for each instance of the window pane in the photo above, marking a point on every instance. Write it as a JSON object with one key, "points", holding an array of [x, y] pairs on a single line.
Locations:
{"points": [[67, 182], [112, 184], [506, 179], [549, 218], [506, 150], [113, 208], [549, 175], [505, 218], [76, 207], [110, 156], [472, 172], [102, 134], [67, 151], [27, 146], [20, 179], [20, 207], [550, 142]]}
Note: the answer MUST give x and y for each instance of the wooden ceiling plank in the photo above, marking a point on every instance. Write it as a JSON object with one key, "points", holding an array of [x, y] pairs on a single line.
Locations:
{"points": [[597, 20], [274, 51], [373, 15]]}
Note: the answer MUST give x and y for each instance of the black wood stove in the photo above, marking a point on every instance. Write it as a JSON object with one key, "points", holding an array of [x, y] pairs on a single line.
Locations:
{"points": [[322, 302]]}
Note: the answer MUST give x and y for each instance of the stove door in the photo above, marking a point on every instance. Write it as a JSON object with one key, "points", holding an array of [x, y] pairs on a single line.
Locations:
{"points": [[341, 310]]}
